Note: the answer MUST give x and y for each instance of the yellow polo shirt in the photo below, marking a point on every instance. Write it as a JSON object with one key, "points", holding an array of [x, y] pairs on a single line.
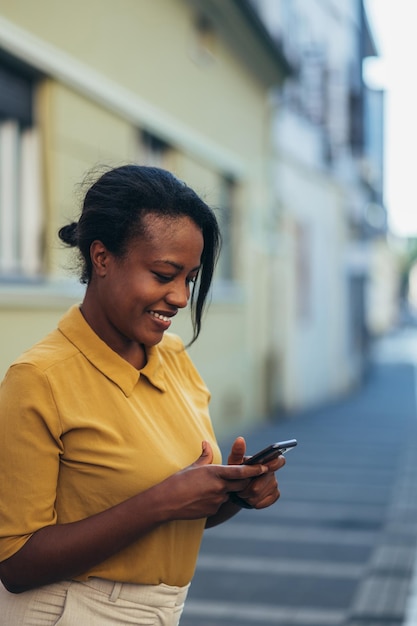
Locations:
{"points": [[82, 430]]}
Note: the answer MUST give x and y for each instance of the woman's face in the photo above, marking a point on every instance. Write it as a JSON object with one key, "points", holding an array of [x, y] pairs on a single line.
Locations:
{"points": [[136, 297]]}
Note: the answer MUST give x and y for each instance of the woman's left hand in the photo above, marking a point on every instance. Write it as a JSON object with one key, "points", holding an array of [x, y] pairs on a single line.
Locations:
{"points": [[263, 490]]}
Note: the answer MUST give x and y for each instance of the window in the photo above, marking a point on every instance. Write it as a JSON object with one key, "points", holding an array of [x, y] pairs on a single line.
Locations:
{"points": [[153, 150], [303, 266], [313, 84], [356, 121], [226, 222], [20, 197]]}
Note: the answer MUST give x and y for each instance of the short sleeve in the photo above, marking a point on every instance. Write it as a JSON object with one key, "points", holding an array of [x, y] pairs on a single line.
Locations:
{"points": [[30, 449]]}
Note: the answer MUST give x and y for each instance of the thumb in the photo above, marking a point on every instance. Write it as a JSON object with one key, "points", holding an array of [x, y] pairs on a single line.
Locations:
{"points": [[237, 453], [206, 457]]}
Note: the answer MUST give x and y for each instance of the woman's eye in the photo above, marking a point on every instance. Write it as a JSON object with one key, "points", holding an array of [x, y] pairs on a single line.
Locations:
{"points": [[167, 278], [163, 278]]}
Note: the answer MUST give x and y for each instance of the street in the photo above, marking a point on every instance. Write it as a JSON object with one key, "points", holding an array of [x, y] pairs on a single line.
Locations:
{"points": [[339, 546]]}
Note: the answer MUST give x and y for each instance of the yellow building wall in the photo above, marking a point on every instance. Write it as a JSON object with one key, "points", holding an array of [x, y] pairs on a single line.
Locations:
{"points": [[150, 49], [78, 136], [25, 320]]}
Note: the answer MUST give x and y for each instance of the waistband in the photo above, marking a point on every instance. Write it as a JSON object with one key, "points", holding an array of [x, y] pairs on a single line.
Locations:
{"points": [[152, 595]]}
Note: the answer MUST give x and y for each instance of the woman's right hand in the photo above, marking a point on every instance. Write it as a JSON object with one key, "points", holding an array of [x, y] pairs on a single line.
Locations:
{"points": [[200, 489]]}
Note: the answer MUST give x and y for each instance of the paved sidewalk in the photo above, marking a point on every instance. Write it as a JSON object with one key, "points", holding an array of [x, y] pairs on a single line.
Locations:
{"points": [[402, 348], [339, 547]]}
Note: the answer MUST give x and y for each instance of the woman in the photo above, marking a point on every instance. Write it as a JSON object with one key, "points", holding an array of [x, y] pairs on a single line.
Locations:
{"points": [[112, 468]]}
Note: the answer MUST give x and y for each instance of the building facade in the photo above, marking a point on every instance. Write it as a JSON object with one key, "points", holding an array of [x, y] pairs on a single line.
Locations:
{"points": [[183, 85], [258, 105]]}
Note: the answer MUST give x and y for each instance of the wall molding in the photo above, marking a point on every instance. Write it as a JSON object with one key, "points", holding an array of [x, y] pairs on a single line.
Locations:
{"points": [[45, 295]]}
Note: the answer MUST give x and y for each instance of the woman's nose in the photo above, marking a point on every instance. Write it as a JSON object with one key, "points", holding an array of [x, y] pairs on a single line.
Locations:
{"points": [[179, 295]]}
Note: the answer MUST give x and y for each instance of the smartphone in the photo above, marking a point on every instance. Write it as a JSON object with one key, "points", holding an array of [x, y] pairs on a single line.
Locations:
{"points": [[271, 452]]}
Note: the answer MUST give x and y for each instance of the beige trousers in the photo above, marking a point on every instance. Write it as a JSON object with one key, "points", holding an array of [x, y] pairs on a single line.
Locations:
{"points": [[96, 602]]}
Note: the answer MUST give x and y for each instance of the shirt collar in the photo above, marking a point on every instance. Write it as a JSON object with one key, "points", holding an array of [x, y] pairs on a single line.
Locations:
{"points": [[76, 329]]}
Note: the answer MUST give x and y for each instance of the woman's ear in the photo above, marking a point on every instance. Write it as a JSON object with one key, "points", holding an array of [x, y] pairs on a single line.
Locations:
{"points": [[99, 258]]}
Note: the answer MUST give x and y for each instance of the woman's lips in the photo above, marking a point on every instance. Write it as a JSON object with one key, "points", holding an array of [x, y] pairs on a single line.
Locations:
{"points": [[162, 320]]}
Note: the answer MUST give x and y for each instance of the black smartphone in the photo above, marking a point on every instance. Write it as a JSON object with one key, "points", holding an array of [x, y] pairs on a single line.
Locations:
{"points": [[271, 452]]}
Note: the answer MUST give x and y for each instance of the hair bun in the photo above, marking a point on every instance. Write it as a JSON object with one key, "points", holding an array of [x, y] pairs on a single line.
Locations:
{"points": [[68, 234]]}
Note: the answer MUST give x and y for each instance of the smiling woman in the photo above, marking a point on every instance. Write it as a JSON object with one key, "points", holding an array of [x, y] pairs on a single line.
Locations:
{"points": [[130, 300], [111, 414]]}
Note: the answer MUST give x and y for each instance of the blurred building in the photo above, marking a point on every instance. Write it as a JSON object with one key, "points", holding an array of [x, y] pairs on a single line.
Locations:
{"points": [[383, 293], [260, 106], [180, 84], [328, 216]]}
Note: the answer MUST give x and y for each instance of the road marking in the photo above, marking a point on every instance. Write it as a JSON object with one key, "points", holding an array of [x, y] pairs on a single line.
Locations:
{"points": [[300, 534], [297, 567], [411, 605], [264, 614], [327, 511], [380, 597]]}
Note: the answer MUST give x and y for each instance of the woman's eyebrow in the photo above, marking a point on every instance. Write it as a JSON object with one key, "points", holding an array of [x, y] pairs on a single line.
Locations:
{"points": [[177, 266]]}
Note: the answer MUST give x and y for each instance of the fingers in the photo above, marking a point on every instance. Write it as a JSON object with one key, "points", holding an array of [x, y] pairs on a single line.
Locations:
{"points": [[261, 492], [276, 464], [256, 484], [206, 456], [235, 476], [240, 472], [237, 453]]}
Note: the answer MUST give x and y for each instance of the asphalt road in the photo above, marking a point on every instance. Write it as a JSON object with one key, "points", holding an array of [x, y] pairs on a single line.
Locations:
{"points": [[339, 546]]}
